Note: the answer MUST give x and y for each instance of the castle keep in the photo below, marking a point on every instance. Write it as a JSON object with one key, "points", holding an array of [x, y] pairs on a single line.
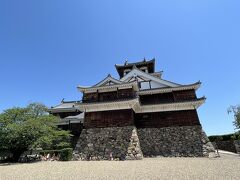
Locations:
{"points": [[138, 115]]}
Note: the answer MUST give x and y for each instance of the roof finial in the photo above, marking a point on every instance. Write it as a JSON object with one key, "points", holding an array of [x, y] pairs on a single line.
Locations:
{"points": [[62, 101], [109, 75], [126, 61]]}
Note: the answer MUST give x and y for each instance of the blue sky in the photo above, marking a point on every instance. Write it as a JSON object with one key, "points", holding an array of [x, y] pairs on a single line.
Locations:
{"points": [[49, 47]]}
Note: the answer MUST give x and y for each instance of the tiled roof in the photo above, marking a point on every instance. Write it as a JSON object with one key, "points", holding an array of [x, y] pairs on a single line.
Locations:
{"points": [[136, 63], [79, 116], [65, 106], [170, 89]]}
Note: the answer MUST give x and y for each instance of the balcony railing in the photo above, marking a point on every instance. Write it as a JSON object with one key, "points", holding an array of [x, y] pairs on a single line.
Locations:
{"points": [[165, 101], [109, 98]]}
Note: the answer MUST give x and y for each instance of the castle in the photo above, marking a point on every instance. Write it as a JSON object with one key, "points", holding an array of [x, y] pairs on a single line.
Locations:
{"points": [[138, 115]]}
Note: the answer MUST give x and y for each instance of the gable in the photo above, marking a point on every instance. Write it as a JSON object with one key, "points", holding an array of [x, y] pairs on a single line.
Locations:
{"points": [[107, 82], [146, 80], [136, 78]]}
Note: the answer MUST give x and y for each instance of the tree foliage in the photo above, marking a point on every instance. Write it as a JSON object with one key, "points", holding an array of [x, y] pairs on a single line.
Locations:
{"points": [[236, 112], [22, 129], [225, 137]]}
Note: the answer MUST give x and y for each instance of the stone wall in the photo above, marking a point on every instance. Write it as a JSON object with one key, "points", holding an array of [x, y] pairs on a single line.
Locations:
{"points": [[129, 143], [232, 145], [225, 145], [108, 143], [187, 141], [237, 146], [208, 148]]}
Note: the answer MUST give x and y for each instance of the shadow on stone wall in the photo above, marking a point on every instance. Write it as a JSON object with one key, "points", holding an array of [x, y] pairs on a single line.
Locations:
{"points": [[108, 144]]}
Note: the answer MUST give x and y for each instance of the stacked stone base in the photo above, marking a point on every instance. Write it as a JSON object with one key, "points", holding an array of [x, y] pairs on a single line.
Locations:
{"points": [[184, 141], [129, 143], [115, 143]]}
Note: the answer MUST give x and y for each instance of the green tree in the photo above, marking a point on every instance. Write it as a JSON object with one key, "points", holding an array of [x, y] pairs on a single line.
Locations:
{"points": [[236, 112], [24, 128]]}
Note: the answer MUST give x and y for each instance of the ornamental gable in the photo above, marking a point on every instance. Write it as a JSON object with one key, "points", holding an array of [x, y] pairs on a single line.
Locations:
{"points": [[109, 80], [147, 81]]}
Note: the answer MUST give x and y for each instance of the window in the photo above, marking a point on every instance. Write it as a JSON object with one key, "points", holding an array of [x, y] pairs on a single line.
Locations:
{"points": [[144, 69], [126, 71], [139, 85]]}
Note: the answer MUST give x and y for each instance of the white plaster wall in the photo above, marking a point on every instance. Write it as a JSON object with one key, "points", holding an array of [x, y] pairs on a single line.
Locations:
{"points": [[157, 85], [145, 85]]}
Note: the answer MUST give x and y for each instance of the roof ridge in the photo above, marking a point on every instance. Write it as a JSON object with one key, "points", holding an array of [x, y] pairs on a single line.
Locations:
{"points": [[145, 61], [70, 101]]}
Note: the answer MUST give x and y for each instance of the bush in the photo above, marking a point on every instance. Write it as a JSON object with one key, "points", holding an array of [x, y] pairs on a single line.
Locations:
{"points": [[4, 156], [31, 127], [236, 136], [226, 137], [51, 152], [64, 154]]}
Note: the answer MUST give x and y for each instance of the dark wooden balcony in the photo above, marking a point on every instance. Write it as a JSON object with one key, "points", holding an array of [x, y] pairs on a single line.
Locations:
{"points": [[177, 96], [108, 97]]}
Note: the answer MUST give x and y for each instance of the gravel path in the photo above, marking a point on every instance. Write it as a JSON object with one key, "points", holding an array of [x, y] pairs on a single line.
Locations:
{"points": [[226, 167]]}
